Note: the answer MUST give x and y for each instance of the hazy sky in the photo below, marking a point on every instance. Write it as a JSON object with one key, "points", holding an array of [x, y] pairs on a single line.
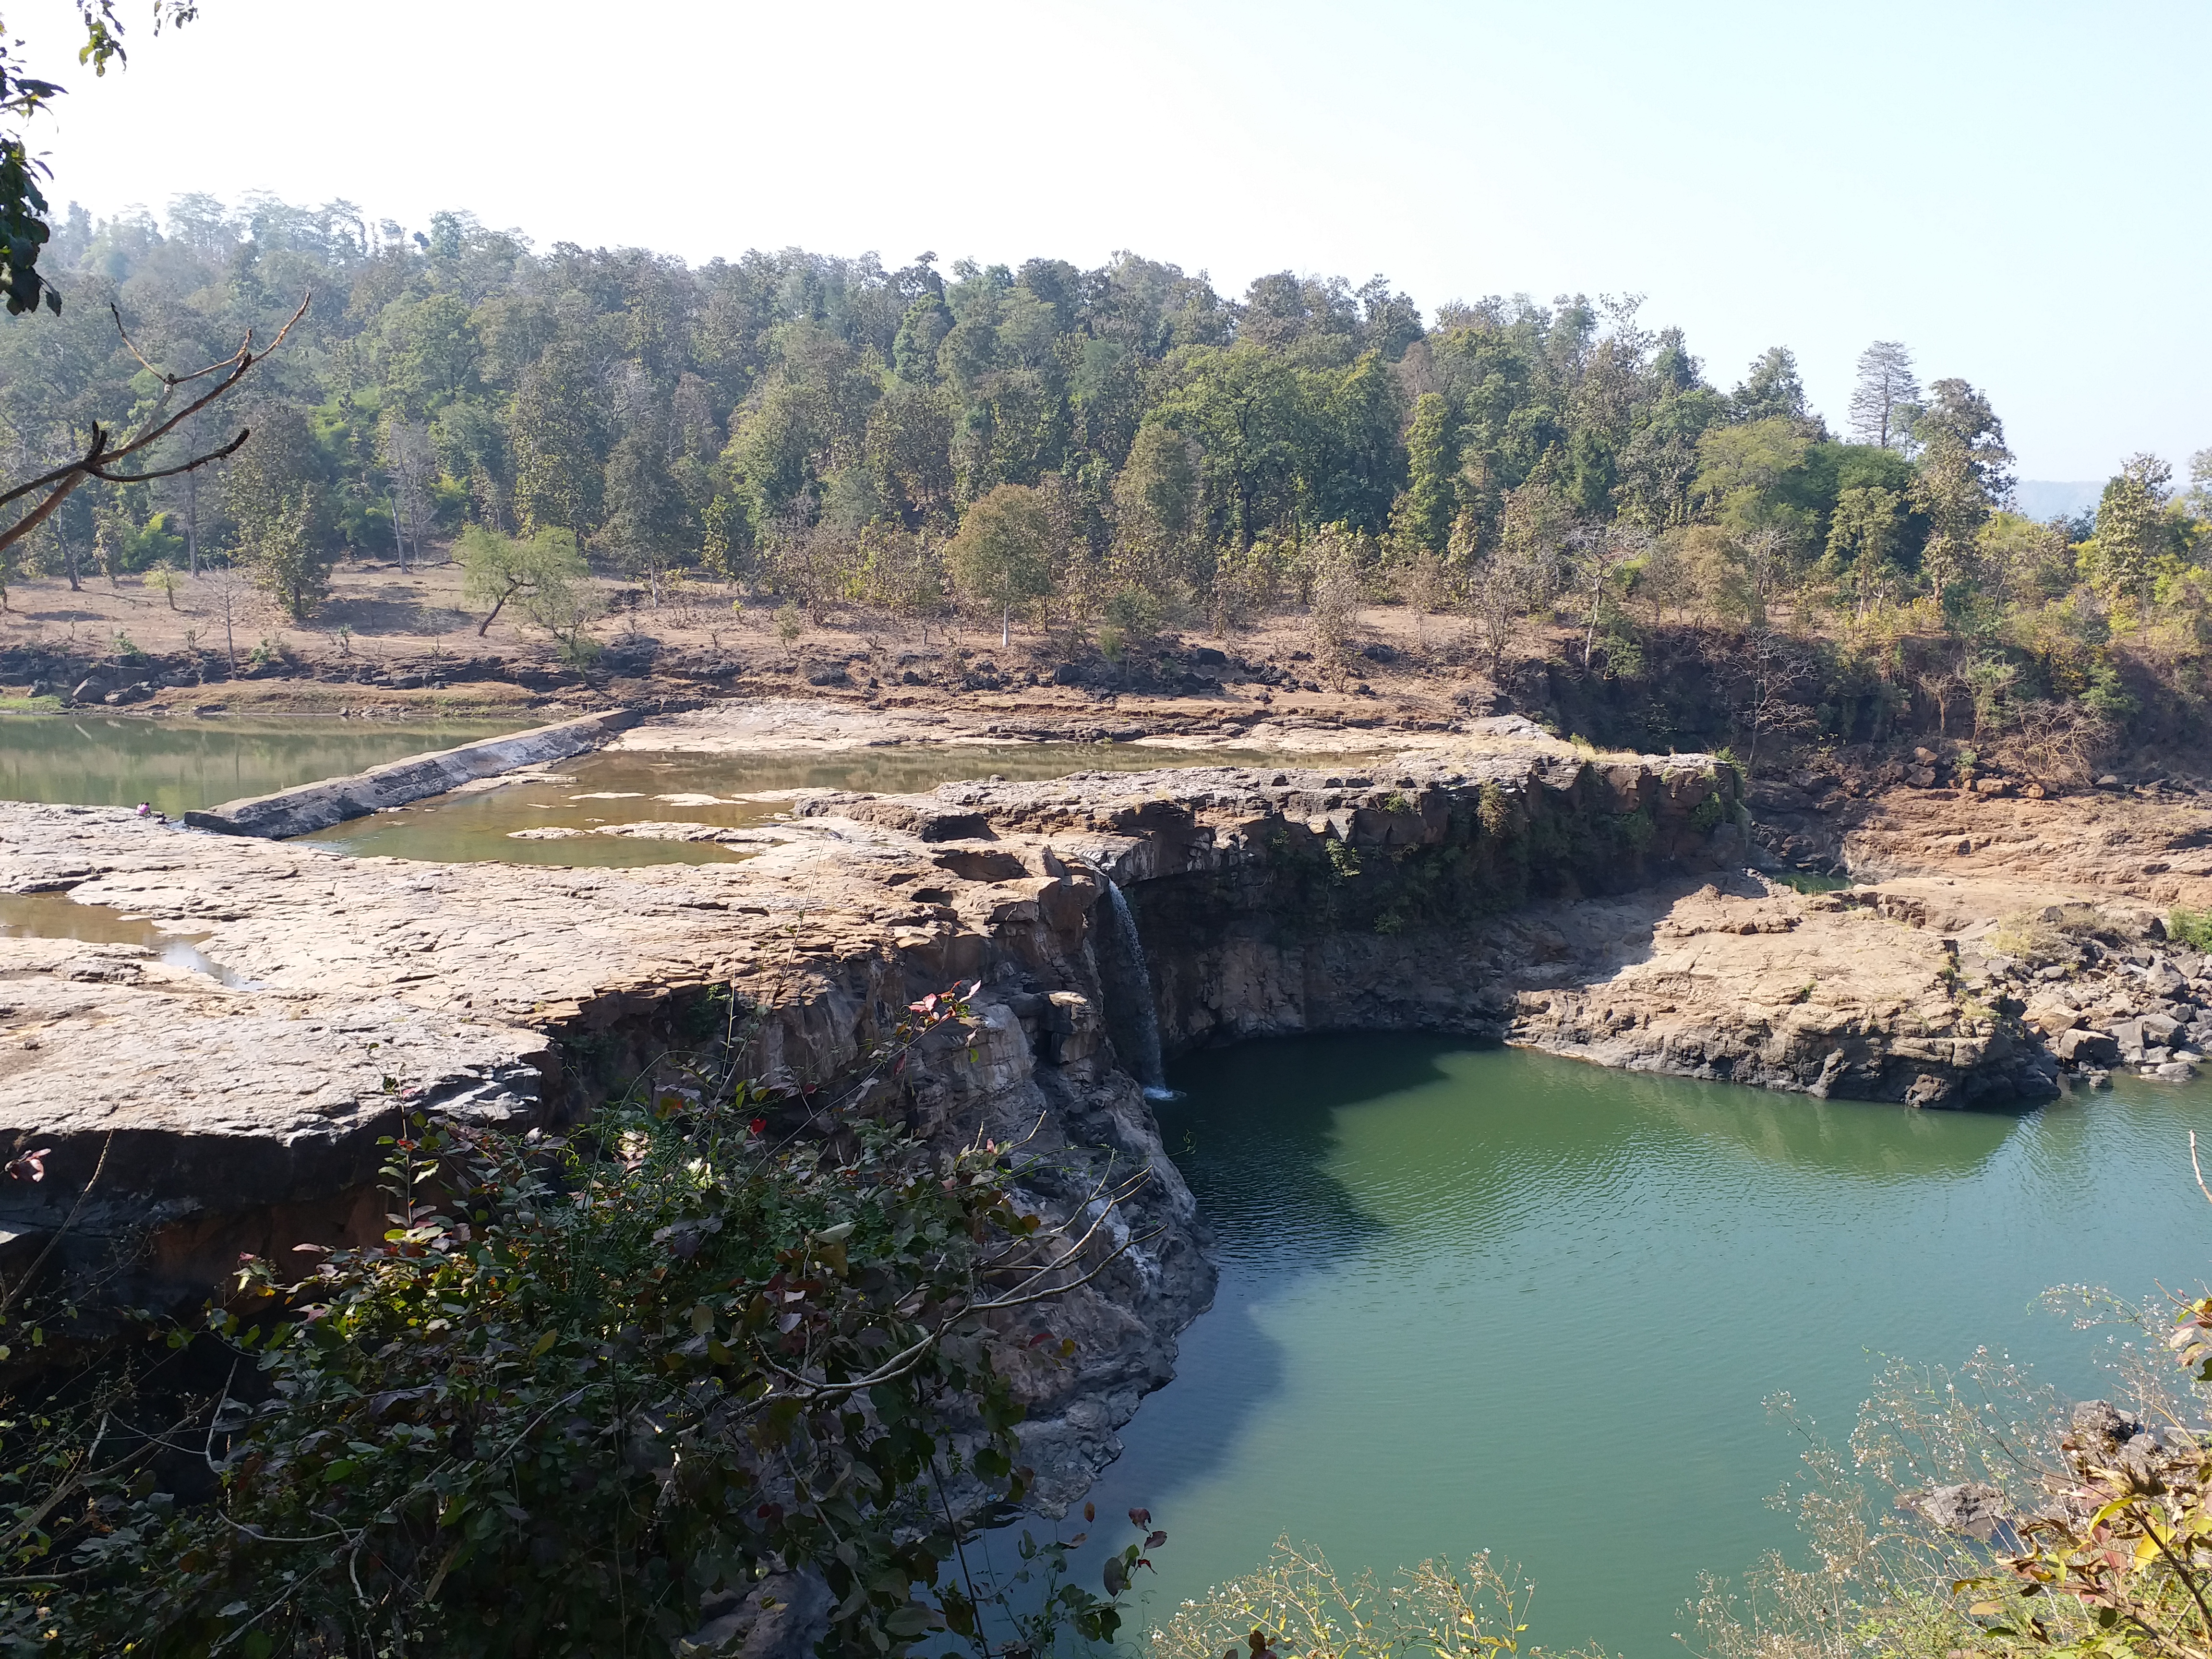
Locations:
{"points": [[2007, 188]]}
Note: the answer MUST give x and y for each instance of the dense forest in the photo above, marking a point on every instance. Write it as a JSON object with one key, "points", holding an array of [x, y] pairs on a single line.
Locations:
{"points": [[1105, 453]]}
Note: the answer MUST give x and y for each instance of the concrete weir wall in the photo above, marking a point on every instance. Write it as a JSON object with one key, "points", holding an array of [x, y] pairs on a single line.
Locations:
{"points": [[312, 806]]}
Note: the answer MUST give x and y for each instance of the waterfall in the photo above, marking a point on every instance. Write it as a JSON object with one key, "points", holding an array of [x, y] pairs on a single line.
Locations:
{"points": [[1150, 1071]]}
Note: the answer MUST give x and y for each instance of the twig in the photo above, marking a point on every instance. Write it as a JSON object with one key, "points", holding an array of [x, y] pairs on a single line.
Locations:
{"points": [[23, 1284], [207, 1452]]}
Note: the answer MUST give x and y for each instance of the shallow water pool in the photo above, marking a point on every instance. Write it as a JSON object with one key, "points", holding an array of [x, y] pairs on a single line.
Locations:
{"points": [[594, 794]]}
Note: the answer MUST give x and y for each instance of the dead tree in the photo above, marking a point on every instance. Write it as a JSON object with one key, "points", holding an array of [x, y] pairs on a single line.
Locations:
{"points": [[106, 454]]}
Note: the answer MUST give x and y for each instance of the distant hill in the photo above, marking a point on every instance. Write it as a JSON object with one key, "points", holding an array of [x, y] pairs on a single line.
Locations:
{"points": [[2040, 498]]}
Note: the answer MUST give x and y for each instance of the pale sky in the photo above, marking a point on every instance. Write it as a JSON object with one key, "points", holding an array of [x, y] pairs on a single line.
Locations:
{"points": [[2007, 188]]}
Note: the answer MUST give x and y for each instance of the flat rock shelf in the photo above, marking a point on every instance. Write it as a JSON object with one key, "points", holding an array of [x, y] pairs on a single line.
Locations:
{"points": [[1530, 895]]}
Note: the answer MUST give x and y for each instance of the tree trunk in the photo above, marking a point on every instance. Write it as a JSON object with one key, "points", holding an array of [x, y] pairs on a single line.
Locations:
{"points": [[192, 523], [484, 627], [398, 534], [1007, 628]]}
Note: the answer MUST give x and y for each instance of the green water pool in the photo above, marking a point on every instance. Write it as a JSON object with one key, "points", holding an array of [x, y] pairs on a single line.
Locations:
{"points": [[181, 765], [1477, 1299], [624, 787]]}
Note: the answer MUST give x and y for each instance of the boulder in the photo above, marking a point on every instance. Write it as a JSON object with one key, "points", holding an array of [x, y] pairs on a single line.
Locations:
{"points": [[2086, 1047], [2160, 979], [1970, 1507]]}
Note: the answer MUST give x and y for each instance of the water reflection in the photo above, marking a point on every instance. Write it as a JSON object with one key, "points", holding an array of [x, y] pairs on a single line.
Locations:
{"points": [[1478, 1298], [54, 915], [183, 765]]}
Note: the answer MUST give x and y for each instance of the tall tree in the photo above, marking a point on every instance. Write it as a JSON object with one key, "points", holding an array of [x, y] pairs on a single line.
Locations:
{"points": [[409, 464], [553, 429], [1864, 536], [648, 522], [1772, 389], [1433, 465], [1886, 397], [276, 495], [1961, 477], [1158, 490], [2133, 534]]}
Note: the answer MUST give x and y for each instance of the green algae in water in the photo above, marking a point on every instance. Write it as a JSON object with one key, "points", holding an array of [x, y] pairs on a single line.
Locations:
{"points": [[1486, 1298], [1808, 881]]}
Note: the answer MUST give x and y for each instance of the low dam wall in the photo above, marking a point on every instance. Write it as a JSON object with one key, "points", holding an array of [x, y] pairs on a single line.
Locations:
{"points": [[318, 805]]}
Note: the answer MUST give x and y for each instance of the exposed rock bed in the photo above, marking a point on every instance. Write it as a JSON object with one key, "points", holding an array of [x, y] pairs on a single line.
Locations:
{"points": [[2058, 902], [1596, 907]]}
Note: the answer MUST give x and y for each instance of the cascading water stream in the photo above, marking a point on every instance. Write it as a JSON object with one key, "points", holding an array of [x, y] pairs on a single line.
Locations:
{"points": [[1151, 1071]]}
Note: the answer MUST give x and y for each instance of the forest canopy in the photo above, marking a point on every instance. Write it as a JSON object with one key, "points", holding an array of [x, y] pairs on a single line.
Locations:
{"points": [[1145, 451]]}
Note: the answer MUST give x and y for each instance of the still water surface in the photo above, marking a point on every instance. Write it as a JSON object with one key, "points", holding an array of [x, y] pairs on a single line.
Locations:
{"points": [[1476, 1298], [183, 766], [637, 787]]}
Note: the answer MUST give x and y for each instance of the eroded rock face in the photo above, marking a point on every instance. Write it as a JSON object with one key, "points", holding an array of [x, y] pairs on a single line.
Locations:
{"points": [[1579, 905]]}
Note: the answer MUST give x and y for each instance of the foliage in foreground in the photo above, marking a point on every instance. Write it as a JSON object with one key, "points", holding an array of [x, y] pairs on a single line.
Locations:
{"points": [[580, 1391], [2008, 1524], [1297, 1603]]}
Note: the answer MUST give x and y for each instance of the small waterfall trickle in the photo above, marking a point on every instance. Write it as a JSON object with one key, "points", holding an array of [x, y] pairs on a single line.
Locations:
{"points": [[1152, 1072]]}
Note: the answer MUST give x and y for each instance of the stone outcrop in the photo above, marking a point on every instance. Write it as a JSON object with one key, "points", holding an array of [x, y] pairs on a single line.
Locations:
{"points": [[318, 806], [2060, 904], [1597, 907]]}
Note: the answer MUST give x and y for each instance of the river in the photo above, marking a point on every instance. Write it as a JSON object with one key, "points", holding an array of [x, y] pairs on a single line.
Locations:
{"points": [[181, 765], [1468, 1298], [1478, 1298], [185, 765]]}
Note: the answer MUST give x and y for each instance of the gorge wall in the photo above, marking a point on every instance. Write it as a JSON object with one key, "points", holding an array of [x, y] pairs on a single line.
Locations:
{"points": [[1532, 894]]}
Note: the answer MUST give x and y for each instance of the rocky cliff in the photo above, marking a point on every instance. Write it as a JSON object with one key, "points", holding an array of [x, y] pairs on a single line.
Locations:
{"points": [[1596, 907]]}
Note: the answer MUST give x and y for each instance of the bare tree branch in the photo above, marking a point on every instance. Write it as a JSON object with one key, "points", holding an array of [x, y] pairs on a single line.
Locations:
{"points": [[99, 457]]}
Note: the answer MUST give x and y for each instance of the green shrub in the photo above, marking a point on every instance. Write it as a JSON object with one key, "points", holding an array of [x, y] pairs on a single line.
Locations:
{"points": [[2190, 927], [1493, 811], [577, 1388]]}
